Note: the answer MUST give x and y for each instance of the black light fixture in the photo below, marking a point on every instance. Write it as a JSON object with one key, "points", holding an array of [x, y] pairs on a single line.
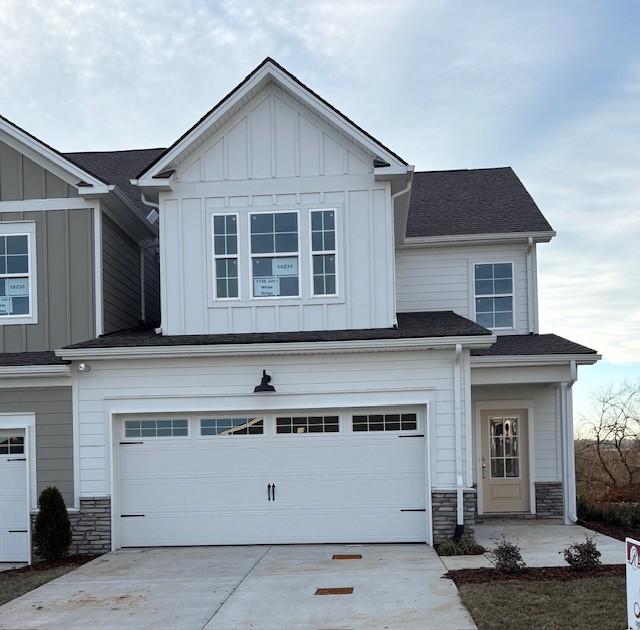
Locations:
{"points": [[264, 384]]}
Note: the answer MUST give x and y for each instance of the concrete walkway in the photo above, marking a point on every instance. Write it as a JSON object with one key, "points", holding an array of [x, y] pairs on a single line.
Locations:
{"points": [[540, 543], [394, 586]]}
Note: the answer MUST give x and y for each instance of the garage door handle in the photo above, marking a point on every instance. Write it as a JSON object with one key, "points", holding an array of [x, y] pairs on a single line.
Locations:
{"points": [[273, 491], [268, 492]]}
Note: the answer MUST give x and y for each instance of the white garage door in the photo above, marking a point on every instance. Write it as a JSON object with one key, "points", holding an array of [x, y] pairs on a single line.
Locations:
{"points": [[281, 478], [14, 514]]}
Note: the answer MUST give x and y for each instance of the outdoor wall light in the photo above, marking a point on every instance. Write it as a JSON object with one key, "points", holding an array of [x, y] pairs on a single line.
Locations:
{"points": [[84, 367], [264, 384]]}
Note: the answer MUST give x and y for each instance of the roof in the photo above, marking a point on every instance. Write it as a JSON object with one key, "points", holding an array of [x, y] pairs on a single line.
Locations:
{"points": [[410, 325], [18, 359], [477, 201], [266, 61], [532, 344], [117, 168]]}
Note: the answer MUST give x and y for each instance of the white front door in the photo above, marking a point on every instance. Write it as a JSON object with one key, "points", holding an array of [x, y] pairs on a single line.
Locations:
{"points": [[14, 512], [302, 478]]}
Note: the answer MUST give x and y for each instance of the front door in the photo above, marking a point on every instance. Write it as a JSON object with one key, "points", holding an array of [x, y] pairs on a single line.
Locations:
{"points": [[505, 461]]}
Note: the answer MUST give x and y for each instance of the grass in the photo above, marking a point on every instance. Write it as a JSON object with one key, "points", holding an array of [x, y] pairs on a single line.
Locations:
{"points": [[597, 603]]}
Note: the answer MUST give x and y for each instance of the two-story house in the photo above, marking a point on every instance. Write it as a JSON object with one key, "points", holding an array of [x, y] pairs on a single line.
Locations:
{"points": [[347, 350]]}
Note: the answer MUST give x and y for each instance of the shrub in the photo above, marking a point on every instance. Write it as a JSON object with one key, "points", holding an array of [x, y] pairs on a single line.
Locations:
{"points": [[466, 546], [52, 530], [582, 556], [625, 515], [507, 557]]}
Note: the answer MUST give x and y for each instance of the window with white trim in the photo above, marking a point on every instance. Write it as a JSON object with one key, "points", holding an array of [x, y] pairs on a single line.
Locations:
{"points": [[385, 422], [308, 424], [15, 275], [275, 253], [232, 426], [174, 427], [11, 444], [323, 248], [494, 294], [225, 254]]}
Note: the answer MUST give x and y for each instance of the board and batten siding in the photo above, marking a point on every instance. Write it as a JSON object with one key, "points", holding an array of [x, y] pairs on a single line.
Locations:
{"points": [[204, 384], [54, 433], [441, 279], [66, 306], [275, 154], [121, 292]]}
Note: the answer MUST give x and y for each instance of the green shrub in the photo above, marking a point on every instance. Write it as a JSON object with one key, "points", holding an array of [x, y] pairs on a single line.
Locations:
{"points": [[52, 530], [466, 546], [625, 515], [582, 556], [507, 557]]}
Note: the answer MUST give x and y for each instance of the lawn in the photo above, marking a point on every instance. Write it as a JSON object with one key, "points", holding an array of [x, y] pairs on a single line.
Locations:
{"points": [[20, 581], [597, 603]]}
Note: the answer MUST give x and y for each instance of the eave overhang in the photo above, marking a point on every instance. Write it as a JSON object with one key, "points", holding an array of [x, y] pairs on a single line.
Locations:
{"points": [[22, 371], [479, 239], [523, 360]]}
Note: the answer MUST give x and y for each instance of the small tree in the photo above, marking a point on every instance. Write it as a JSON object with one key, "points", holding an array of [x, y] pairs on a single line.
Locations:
{"points": [[52, 531]]}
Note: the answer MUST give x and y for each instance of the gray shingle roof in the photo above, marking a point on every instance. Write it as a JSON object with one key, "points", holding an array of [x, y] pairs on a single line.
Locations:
{"points": [[117, 168], [478, 201], [19, 359], [515, 345], [410, 325]]}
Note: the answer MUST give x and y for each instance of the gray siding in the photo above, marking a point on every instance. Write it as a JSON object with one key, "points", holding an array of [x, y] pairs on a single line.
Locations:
{"points": [[21, 178], [66, 310], [121, 278], [54, 433], [151, 281]]}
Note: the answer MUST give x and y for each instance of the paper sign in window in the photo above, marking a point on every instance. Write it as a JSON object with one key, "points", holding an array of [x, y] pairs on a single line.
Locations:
{"points": [[285, 267], [18, 287], [5, 305], [265, 287]]}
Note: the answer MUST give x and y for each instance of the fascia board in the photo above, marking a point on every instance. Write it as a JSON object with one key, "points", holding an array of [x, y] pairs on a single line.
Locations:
{"points": [[532, 360], [484, 239], [21, 371]]}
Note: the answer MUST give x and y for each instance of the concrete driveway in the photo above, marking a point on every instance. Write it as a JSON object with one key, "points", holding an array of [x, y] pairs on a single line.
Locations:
{"points": [[394, 586]]}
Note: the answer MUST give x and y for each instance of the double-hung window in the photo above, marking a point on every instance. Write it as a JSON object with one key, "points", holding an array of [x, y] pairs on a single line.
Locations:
{"points": [[323, 248], [225, 253], [274, 254], [494, 294], [16, 273]]}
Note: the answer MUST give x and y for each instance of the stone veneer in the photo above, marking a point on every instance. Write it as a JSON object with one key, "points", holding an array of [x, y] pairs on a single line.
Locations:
{"points": [[549, 499], [90, 527], [443, 508]]}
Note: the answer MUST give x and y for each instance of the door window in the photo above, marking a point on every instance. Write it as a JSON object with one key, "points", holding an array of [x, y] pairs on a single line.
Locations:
{"points": [[504, 447]]}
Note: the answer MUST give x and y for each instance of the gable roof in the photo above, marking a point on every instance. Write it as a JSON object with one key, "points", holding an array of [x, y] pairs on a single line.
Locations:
{"points": [[274, 70], [477, 201]]}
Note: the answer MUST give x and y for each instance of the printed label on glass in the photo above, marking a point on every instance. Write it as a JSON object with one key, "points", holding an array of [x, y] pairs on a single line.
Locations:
{"points": [[265, 287]]}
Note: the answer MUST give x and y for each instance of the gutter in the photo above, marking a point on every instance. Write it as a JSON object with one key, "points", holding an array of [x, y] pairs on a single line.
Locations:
{"points": [[20, 371], [485, 239], [524, 360]]}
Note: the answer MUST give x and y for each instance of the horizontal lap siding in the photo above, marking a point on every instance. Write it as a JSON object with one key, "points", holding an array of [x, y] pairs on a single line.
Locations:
{"points": [[441, 278], [121, 278], [210, 377], [54, 433]]}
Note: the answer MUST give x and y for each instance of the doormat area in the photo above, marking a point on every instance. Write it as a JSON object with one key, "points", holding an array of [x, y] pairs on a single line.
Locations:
{"points": [[343, 590]]}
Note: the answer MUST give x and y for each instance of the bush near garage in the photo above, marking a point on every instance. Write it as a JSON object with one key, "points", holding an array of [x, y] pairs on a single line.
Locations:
{"points": [[52, 530]]}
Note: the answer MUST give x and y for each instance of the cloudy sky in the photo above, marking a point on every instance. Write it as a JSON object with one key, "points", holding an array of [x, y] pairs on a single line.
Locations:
{"points": [[550, 88]]}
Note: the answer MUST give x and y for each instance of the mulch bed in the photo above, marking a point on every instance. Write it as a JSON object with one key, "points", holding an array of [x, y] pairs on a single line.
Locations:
{"points": [[615, 531], [536, 574], [41, 565]]}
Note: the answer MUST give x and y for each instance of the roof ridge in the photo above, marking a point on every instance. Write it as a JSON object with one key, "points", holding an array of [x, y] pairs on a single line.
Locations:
{"points": [[115, 151], [466, 170]]}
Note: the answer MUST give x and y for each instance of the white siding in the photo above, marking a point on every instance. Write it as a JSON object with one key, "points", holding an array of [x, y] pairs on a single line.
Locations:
{"points": [[214, 384], [441, 278], [546, 424], [276, 154]]}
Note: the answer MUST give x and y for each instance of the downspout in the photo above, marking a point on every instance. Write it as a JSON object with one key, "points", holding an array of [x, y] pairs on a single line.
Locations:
{"points": [[149, 204], [457, 424], [530, 293], [569, 468], [155, 209], [394, 196]]}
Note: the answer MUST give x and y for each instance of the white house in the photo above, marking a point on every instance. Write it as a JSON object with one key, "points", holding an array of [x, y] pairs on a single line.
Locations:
{"points": [[348, 350]]}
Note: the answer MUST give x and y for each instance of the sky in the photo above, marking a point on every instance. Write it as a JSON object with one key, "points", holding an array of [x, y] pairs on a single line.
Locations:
{"points": [[550, 88]]}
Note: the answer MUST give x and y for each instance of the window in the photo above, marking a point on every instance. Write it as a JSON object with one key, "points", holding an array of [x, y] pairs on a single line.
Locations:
{"points": [[274, 275], [386, 422], [15, 275], [11, 444], [323, 247], [504, 443], [156, 428], [232, 426], [494, 295], [225, 254], [310, 424]]}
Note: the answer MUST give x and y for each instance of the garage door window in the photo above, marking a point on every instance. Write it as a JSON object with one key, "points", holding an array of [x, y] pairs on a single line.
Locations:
{"points": [[156, 428], [12, 445], [308, 424], [386, 422], [231, 426]]}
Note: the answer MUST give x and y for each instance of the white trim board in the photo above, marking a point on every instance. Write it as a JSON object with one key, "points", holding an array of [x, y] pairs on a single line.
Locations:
{"points": [[42, 205]]}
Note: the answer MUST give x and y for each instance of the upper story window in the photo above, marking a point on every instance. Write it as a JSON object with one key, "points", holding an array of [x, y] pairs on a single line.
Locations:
{"points": [[17, 273], [274, 247], [323, 248], [225, 254], [494, 295]]}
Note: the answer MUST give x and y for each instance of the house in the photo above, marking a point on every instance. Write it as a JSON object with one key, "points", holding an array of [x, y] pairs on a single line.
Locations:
{"points": [[345, 351]]}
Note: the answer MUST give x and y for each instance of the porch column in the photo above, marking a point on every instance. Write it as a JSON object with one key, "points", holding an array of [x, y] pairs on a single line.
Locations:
{"points": [[568, 450]]}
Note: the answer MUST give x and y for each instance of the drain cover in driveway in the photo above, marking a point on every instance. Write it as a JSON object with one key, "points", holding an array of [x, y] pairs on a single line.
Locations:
{"points": [[343, 590]]}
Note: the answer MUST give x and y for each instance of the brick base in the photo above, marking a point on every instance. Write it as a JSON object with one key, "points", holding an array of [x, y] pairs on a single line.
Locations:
{"points": [[90, 527], [549, 499], [443, 509]]}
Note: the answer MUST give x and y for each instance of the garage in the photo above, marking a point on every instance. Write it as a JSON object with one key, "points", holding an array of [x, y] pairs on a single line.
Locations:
{"points": [[303, 477]]}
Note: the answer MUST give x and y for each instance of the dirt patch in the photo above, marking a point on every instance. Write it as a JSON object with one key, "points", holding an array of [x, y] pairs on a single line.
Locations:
{"points": [[615, 531], [41, 565], [535, 574]]}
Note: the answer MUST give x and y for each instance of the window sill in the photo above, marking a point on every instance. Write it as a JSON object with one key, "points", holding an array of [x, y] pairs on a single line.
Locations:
{"points": [[8, 321]]}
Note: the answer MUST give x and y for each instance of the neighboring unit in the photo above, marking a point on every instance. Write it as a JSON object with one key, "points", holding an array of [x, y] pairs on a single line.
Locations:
{"points": [[346, 350]]}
